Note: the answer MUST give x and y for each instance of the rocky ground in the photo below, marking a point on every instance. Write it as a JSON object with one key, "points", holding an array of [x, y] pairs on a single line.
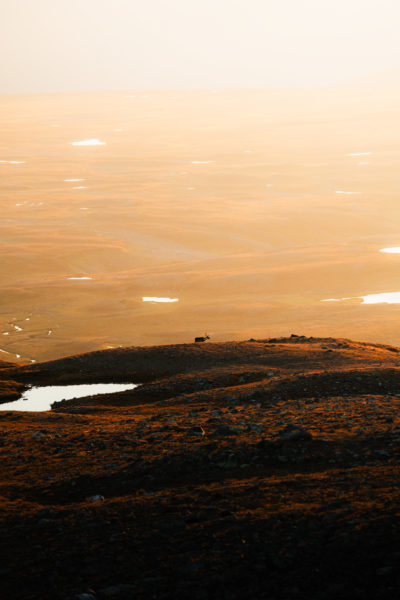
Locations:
{"points": [[266, 469]]}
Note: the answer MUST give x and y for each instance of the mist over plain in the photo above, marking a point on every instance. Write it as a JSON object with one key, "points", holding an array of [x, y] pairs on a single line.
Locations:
{"points": [[248, 208]]}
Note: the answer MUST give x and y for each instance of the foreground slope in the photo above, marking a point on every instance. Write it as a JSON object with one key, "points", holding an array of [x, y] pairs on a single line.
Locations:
{"points": [[259, 469]]}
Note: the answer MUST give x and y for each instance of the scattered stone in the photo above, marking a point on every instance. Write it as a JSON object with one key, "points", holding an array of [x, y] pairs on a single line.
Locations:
{"points": [[121, 591], [382, 453], [38, 435], [229, 464], [294, 432], [228, 430], [43, 523], [255, 427], [96, 498]]}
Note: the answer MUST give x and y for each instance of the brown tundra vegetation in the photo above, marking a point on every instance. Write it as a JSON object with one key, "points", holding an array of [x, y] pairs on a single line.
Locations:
{"points": [[262, 469]]}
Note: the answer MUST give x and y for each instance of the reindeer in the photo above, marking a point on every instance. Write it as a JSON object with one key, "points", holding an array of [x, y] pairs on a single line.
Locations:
{"points": [[202, 339]]}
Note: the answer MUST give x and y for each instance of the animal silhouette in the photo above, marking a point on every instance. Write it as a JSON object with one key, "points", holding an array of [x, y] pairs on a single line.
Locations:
{"points": [[202, 339]]}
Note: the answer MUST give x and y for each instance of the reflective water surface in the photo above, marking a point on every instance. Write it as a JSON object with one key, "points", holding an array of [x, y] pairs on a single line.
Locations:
{"points": [[395, 250], [91, 142], [156, 299], [382, 298], [38, 399]]}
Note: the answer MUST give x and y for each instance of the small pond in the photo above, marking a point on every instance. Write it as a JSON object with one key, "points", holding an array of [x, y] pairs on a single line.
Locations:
{"points": [[38, 399]]}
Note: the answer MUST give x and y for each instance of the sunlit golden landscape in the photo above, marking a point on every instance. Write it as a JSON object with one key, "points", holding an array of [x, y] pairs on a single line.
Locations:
{"points": [[200, 299], [249, 208]]}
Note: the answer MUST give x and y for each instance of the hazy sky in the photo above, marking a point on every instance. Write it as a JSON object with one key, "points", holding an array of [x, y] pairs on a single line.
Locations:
{"points": [[66, 45]]}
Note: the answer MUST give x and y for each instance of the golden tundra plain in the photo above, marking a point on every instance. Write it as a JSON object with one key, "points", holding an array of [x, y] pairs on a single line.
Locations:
{"points": [[248, 208]]}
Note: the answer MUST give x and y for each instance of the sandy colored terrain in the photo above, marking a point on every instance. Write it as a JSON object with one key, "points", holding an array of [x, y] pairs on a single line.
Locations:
{"points": [[225, 200], [245, 470]]}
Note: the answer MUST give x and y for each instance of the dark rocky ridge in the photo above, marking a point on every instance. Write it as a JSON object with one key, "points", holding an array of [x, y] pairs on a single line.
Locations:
{"points": [[260, 469]]}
